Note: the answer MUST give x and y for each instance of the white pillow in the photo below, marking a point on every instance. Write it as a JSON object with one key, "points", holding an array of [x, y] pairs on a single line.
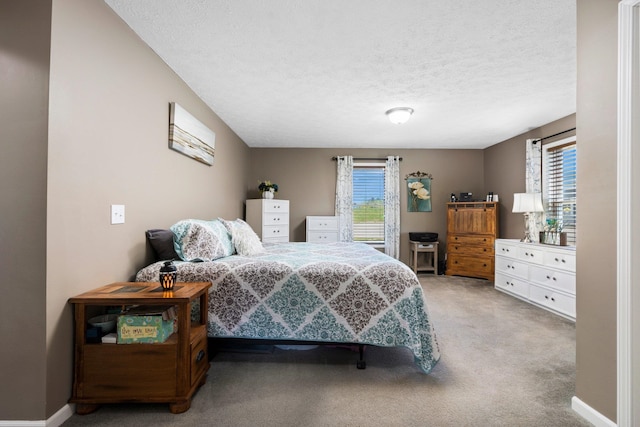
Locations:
{"points": [[246, 241]]}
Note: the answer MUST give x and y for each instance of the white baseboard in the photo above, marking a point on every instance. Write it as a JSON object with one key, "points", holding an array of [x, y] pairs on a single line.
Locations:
{"points": [[55, 420], [590, 414]]}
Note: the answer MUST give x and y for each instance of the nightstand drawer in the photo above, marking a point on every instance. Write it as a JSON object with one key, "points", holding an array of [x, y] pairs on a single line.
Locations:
{"points": [[322, 223], [322, 236], [199, 358]]}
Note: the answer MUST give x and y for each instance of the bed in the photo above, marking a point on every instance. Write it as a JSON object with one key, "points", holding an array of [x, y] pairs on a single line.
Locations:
{"points": [[334, 293]]}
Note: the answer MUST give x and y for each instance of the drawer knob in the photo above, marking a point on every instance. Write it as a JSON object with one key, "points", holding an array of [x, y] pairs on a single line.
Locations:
{"points": [[200, 356]]}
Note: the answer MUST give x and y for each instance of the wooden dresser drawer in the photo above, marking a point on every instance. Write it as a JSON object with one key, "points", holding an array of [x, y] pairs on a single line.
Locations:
{"points": [[474, 266], [462, 239], [466, 249]]}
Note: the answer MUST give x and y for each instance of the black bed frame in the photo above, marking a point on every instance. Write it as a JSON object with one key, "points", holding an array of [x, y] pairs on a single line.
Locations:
{"points": [[215, 343]]}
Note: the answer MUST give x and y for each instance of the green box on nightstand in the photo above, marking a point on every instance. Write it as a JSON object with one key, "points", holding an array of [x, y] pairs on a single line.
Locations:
{"points": [[146, 324]]}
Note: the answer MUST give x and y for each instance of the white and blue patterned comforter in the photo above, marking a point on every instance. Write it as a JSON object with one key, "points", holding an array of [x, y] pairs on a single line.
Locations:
{"points": [[334, 293]]}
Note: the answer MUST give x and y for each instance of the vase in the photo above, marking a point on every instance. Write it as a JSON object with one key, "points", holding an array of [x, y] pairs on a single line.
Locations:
{"points": [[267, 194]]}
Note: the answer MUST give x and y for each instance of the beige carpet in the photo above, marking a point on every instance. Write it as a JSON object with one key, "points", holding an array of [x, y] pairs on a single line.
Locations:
{"points": [[504, 363]]}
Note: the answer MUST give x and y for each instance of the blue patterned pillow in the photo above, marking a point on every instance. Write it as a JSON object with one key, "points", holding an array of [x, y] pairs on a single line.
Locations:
{"points": [[199, 240]]}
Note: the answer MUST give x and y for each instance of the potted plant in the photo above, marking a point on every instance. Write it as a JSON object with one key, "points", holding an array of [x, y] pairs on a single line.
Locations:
{"points": [[268, 189]]}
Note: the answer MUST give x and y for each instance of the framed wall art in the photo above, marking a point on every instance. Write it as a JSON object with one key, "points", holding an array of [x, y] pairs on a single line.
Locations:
{"points": [[418, 191], [189, 136]]}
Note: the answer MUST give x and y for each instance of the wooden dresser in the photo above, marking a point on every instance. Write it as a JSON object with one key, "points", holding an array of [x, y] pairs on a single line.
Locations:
{"points": [[472, 228]]}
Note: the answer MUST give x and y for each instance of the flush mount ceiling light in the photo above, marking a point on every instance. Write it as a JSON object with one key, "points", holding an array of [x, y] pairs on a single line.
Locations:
{"points": [[399, 115]]}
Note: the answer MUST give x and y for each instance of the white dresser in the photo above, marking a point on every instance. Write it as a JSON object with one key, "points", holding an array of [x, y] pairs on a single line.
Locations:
{"points": [[543, 275], [322, 229], [269, 218]]}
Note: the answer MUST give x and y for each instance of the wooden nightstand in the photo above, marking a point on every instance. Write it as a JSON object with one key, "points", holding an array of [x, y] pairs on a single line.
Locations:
{"points": [[162, 372]]}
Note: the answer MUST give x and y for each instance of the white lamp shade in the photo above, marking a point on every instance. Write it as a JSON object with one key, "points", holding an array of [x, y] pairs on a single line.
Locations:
{"points": [[527, 202], [399, 115]]}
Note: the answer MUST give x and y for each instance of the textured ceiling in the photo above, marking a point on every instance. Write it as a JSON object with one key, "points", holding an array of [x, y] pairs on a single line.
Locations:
{"points": [[321, 73]]}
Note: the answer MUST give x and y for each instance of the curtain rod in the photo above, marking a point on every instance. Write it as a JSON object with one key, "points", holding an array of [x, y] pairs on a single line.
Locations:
{"points": [[556, 134], [334, 158]]}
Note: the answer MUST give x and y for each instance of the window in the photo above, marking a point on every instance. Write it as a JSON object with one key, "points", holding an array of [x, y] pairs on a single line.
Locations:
{"points": [[368, 203], [559, 184]]}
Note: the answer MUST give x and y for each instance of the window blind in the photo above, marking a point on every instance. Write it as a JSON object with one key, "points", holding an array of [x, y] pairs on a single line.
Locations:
{"points": [[368, 203], [561, 178]]}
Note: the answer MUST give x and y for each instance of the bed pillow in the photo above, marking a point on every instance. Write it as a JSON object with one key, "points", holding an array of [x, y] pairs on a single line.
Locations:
{"points": [[199, 240], [245, 241], [161, 242]]}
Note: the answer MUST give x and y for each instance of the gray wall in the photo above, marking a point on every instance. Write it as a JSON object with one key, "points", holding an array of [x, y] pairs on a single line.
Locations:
{"points": [[307, 177], [596, 251], [24, 79]]}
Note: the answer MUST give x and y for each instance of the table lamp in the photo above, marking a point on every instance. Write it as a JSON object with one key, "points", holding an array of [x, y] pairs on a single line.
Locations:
{"points": [[527, 203]]}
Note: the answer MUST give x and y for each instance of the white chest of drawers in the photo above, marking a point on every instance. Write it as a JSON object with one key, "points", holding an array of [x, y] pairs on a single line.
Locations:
{"points": [[269, 218], [543, 275], [322, 229]]}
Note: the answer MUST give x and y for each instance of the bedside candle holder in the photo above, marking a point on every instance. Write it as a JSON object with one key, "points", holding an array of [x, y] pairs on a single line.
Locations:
{"points": [[168, 274]]}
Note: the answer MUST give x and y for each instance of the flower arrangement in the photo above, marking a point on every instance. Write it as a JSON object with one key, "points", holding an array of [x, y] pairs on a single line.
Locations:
{"points": [[552, 233], [553, 225], [268, 186]]}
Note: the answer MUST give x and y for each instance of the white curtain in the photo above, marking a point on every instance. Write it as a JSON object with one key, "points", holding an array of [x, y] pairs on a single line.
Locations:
{"points": [[344, 198], [392, 207], [533, 180]]}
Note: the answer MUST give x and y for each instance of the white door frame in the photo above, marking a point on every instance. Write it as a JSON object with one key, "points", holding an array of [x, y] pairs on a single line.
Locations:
{"points": [[628, 237]]}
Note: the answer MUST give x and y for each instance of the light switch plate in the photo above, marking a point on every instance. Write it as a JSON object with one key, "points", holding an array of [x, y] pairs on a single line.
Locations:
{"points": [[117, 214]]}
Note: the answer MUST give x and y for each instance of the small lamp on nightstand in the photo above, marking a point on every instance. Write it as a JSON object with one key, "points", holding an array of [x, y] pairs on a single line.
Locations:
{"points": [[527, 203]]}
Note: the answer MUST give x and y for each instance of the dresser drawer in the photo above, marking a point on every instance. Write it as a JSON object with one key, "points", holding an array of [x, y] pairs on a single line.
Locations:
{"points": [[474, 266], [561, 259], [554, 279], [506, 250], [461, 239], [274, 205], [322, 223], [512, 267], [512, 284], [322, 236], [531, 254], [554, 300], [275, 231], [276, 218]]}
